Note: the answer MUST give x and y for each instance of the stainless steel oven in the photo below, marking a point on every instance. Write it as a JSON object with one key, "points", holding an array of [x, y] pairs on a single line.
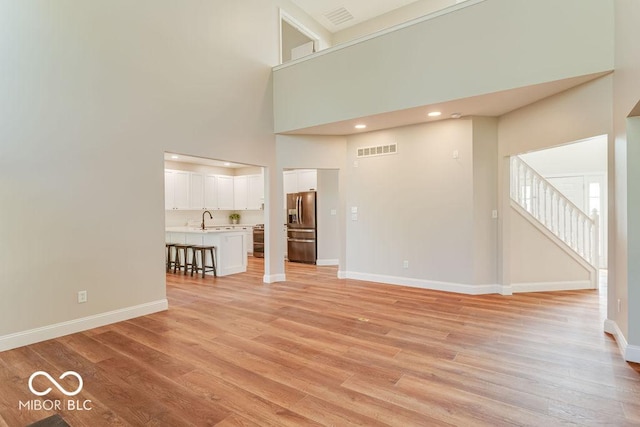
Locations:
{"points": [[258, 241]]}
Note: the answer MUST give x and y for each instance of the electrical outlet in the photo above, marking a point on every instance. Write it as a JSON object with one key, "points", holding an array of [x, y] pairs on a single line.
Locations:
{"points": [[619, 305], [494, 214], [82, 297], [405, 264]]}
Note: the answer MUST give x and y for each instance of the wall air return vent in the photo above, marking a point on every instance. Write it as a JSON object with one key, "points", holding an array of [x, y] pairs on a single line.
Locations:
{"points": [[339, 16], [379, 150]]}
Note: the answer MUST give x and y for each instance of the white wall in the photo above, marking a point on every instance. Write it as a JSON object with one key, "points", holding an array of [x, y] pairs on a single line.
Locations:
{"points": [[538, 260], [413, 66], [416, 205], [485, 199], [93, 94], [329, 236]]}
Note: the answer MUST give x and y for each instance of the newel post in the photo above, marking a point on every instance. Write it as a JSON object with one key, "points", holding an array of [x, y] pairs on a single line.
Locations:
{"points": [[595, 238]]}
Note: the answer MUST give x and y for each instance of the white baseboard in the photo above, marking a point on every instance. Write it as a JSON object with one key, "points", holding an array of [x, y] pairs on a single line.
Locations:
{"points": [[342, 275], [325, 262], [630, 353], [273, 278], [459, 288], [19, 339], [552, 286]]}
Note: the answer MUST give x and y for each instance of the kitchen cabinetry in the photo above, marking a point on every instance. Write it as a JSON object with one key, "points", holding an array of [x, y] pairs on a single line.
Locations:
{"points": [[248, 192], [307, 180], [218, 192], [210, 191], [255, 197], [176, 189], [225, 192], [290, 182], [196, 190], [298, 180], [240, 192]]}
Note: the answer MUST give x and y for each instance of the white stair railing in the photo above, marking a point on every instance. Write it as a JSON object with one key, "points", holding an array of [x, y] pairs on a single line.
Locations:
{"points": [[556, 212]]}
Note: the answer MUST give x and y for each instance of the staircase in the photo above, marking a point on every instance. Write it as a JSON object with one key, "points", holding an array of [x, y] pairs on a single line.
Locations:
{"points": [[551, 209]]}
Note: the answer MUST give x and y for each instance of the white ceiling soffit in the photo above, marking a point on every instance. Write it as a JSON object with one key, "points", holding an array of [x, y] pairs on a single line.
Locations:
{"points": [[491, 105], [172, 157], [336, 15]]}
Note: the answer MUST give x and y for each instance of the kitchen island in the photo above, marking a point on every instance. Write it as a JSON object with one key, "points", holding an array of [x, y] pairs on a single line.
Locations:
{"points": [[230, 243]]}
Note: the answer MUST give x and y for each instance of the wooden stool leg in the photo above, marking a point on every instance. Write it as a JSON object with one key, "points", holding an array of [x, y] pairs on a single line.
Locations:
{"points": [[194, 260], [213, 263], [186, 261], [176, 260]]}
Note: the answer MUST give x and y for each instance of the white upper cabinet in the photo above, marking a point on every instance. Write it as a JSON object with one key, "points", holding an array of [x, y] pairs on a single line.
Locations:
{"points": [[176, 189], [225, 192], [248, 192], [290, 181], [299, 180], [240, 192], [210, 191], [255, 196], [307, 179], [196, 190]]}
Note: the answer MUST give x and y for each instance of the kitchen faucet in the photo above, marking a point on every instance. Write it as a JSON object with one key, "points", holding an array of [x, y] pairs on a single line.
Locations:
{"points": [[202, 223]]}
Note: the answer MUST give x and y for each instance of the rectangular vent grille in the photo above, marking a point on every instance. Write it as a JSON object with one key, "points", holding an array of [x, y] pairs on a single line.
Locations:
{"points": [[379, 150], [339, 16]]}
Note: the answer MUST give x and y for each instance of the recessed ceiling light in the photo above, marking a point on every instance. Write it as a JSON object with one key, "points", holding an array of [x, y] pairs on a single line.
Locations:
{"points": [[456, 115], [227, 164], [174, 157], [434, 114], [361, 126]]}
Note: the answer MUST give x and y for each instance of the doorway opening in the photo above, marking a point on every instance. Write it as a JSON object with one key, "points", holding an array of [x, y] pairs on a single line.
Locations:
{"points": [[579, 171], [216, 203], [324, 248]]}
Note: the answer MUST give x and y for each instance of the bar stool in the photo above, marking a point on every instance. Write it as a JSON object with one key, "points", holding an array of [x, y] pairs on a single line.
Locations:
{"points": [[177, 262], [170, 260], [202, 250]]}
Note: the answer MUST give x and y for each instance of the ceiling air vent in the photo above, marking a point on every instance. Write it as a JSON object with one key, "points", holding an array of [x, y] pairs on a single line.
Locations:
{"points": [[379, 150], [339, 16]]}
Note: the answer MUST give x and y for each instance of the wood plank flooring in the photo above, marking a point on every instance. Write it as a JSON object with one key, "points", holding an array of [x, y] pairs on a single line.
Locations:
{"points": [[316, 350]]}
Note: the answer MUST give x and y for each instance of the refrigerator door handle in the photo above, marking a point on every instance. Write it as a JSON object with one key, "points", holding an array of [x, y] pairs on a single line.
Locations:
{"points": [[300, 211]]}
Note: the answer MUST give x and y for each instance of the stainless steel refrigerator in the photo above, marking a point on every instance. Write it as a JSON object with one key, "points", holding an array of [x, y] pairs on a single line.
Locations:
{"points": [[301, 227]]}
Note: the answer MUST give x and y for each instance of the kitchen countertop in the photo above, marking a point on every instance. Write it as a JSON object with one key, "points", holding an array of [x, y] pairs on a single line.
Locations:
{"points": [[210, 229]]}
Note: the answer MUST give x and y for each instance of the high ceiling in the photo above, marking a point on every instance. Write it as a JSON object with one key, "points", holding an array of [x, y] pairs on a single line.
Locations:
{"points": [[327, 12]]}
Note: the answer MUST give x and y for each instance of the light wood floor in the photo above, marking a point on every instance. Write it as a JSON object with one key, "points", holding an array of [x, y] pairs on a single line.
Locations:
{"points": [[316, 350]]}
